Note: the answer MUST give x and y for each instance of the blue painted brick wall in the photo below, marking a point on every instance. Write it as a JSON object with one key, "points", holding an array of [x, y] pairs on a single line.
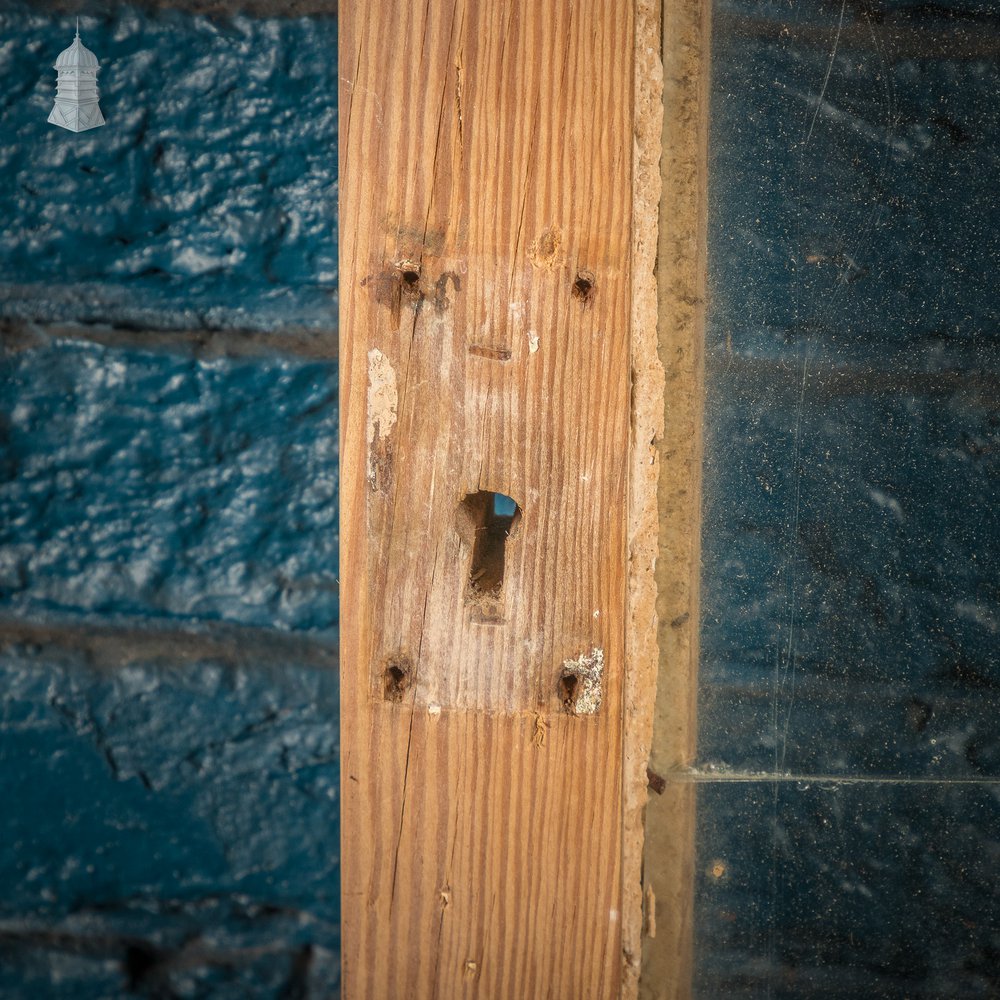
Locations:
{"points": [[169, 745]]}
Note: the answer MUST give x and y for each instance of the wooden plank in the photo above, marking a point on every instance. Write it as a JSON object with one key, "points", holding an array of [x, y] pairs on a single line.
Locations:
{"points": [[670, 817], [486, 178]]}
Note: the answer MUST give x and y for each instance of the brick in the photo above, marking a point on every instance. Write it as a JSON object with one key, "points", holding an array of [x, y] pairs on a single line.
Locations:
{"points": [[161, 486], [872, 219], [209, 199], [175, 828], [833, 889]]}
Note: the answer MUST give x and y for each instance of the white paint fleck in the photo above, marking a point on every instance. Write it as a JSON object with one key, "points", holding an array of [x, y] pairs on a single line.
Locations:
{"points": [[382, 399], [532, 341], [597, 612], [193, 262], [433, 708], [367, 92], [981, 614], [888, 503]]}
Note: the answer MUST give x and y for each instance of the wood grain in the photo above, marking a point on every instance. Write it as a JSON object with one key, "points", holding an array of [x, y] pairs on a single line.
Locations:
{"points": [[486, 173]]}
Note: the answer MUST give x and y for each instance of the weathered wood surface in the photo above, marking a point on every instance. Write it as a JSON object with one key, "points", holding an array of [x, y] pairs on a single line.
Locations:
{"points": [[647, 425], [670, 816], [486, 158]]}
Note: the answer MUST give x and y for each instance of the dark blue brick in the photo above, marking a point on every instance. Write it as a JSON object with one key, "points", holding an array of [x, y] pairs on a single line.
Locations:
{"points": [[159, 485], [865, 522], [168, 823], [209, 198], [868, 216], [839, 890], [849, 593]]}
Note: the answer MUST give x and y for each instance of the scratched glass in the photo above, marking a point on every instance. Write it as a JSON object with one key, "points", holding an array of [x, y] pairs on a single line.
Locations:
{"points": [[851, 525]]}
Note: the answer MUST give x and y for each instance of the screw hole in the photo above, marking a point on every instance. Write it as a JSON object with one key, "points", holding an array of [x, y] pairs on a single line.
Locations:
{"points": [[568, 683], [583, 287], [397, 679], [579, 684], [409, 274]]}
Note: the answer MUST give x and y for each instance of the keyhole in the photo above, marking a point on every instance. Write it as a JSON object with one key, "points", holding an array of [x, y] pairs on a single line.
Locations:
{"points": [[486, 520]]}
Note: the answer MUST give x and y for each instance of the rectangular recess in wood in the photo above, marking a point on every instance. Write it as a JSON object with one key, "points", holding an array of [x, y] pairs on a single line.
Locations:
{"points": [[485, 220]]}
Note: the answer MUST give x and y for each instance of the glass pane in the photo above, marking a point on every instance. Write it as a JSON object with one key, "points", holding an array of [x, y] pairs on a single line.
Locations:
{"points": [[851, 526], [846, 890], [848, 807]]}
